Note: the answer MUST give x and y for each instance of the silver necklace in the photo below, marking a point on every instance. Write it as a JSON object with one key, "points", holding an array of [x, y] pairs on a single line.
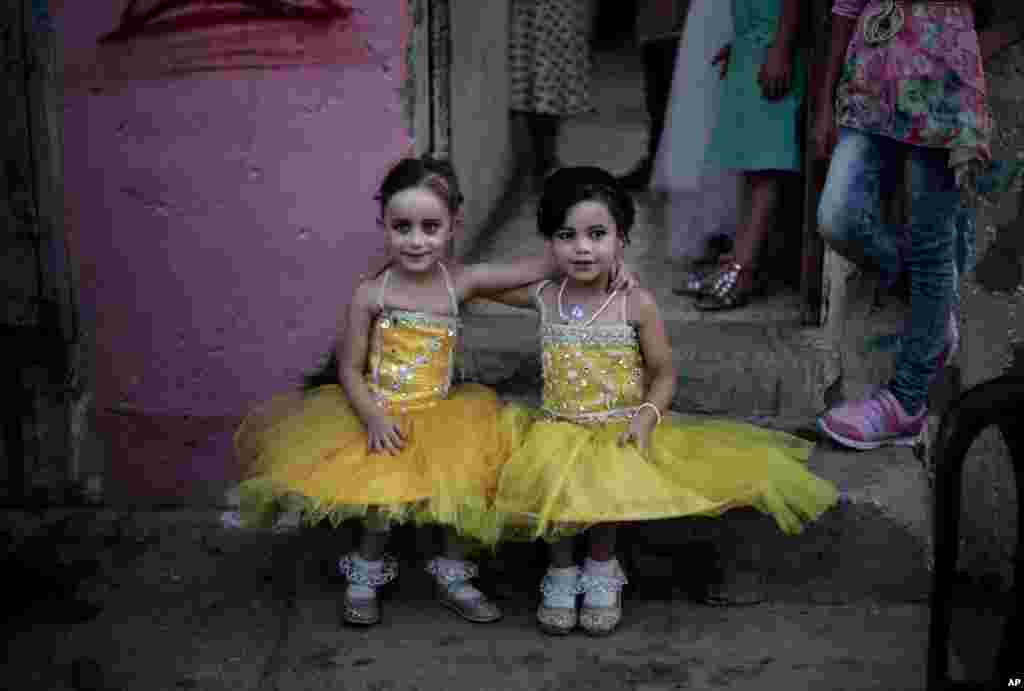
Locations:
{"points": [[576, 312]]}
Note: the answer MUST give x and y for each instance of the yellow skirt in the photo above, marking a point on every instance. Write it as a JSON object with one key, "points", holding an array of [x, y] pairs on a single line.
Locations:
{"points": [[309, 452], [562, 477]]}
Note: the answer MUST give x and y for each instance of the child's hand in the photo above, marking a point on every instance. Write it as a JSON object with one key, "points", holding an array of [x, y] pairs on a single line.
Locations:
{"points": [[623, 278], [825, 132], [721, 60], [385, 435], [776, 75], [640, 428]]}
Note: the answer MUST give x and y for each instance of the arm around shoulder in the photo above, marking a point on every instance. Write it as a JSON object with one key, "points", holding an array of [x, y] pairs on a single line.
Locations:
{"points": [[517, 297], [487, 279]]}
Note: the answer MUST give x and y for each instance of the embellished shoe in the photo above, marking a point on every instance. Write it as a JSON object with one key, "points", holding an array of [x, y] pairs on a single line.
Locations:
{"points": [[724, 291], [552, 616], [452, 578], [364, 576], [600, 619], [696, 282]]}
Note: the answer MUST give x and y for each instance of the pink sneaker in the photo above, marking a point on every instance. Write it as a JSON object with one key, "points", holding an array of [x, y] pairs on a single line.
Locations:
{"points": [[873, 422]]}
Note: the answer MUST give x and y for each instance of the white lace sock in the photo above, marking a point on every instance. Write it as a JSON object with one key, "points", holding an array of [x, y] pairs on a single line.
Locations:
{"points": [[600, 569], [560, 587], [373, 568], [460, 589]]}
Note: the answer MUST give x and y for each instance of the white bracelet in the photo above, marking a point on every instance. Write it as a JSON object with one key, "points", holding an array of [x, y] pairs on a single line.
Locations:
{"points": [[648, 404]]}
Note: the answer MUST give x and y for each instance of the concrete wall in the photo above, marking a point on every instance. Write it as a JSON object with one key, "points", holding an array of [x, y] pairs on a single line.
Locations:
{"points": [[219, 219], [480, 139]]}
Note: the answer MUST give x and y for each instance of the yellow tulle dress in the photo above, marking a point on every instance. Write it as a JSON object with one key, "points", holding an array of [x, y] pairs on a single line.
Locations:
{"points": [[567, 470], [308, 451]]}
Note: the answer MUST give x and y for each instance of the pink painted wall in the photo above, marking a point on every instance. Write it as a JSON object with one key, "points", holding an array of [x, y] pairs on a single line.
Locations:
{"points": [[219, 220]]}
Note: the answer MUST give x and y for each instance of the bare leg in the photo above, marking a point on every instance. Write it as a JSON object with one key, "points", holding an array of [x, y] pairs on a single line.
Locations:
{"points": [[561, 554], [376, 531], [602, 542], [763, 187], [454, 546], [602, 583], [730, 288], [453, 574], [544, 130], [366, 571]]}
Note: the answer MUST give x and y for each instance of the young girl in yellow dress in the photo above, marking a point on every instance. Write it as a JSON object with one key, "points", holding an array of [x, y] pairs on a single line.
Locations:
{"points": [[395, 441], [598, 451]]}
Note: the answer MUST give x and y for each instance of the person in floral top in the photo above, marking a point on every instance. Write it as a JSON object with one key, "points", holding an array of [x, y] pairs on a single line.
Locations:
{"points": [[909, 86]]}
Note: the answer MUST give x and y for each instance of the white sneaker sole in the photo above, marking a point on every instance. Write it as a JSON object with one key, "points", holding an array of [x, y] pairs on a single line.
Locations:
{"points": [[865, 445]]}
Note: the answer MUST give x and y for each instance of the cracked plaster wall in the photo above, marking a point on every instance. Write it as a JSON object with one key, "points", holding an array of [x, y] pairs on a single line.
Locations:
{"points": [[219, 221]]}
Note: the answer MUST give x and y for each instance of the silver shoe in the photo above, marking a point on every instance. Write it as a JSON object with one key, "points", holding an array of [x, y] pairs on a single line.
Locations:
{"points": [[601, 621], [695, 283], [558, 621], [364, 611], [453, 577], [360, 612]]}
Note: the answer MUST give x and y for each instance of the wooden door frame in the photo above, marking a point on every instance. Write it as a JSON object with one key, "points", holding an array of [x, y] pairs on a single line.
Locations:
{"points": [[41, 319], [816, 46], [430, 46]]}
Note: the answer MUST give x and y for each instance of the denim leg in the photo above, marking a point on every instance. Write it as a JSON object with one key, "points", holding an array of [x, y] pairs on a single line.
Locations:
{"points": [[930, 260], [850, 210]]}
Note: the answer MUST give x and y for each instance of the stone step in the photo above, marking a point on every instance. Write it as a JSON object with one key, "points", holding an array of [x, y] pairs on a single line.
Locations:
{"points": [[875, 543], [728, 368]]}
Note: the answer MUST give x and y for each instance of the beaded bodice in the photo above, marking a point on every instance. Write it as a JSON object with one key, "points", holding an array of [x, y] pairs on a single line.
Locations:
{"points": [[591, 373], [412, 356]]}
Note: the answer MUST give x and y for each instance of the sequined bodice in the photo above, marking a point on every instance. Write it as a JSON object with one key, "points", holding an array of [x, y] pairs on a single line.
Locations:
{"points": [[412, 357], [591, 373]]}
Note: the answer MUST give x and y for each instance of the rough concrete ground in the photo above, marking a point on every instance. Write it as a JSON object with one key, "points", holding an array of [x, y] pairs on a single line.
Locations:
{"points": [[187, 606], [174, 601]]}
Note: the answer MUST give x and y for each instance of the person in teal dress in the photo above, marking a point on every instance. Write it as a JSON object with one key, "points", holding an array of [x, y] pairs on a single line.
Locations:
{"points": [[756, 133]]}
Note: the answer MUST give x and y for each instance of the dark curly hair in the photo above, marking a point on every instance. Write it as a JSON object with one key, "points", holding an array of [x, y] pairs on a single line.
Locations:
{"points": [[435, 174], [567, 187]]}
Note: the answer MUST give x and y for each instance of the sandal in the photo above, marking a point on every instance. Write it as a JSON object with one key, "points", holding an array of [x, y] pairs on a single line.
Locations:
{"points": [[597, 620], [725, 292], [696, 282], [555, 619], [364, 611], [452, 576]]}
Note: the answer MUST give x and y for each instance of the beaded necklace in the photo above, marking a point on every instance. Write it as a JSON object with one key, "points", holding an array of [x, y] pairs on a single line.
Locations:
{"points": [[576, 313]]}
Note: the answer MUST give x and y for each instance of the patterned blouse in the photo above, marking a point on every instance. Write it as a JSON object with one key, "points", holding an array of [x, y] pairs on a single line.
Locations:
{"points": [[925, 85]]}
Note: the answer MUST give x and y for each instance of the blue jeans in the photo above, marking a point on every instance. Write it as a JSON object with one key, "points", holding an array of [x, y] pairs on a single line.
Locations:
{"points": [[850, 221]]}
